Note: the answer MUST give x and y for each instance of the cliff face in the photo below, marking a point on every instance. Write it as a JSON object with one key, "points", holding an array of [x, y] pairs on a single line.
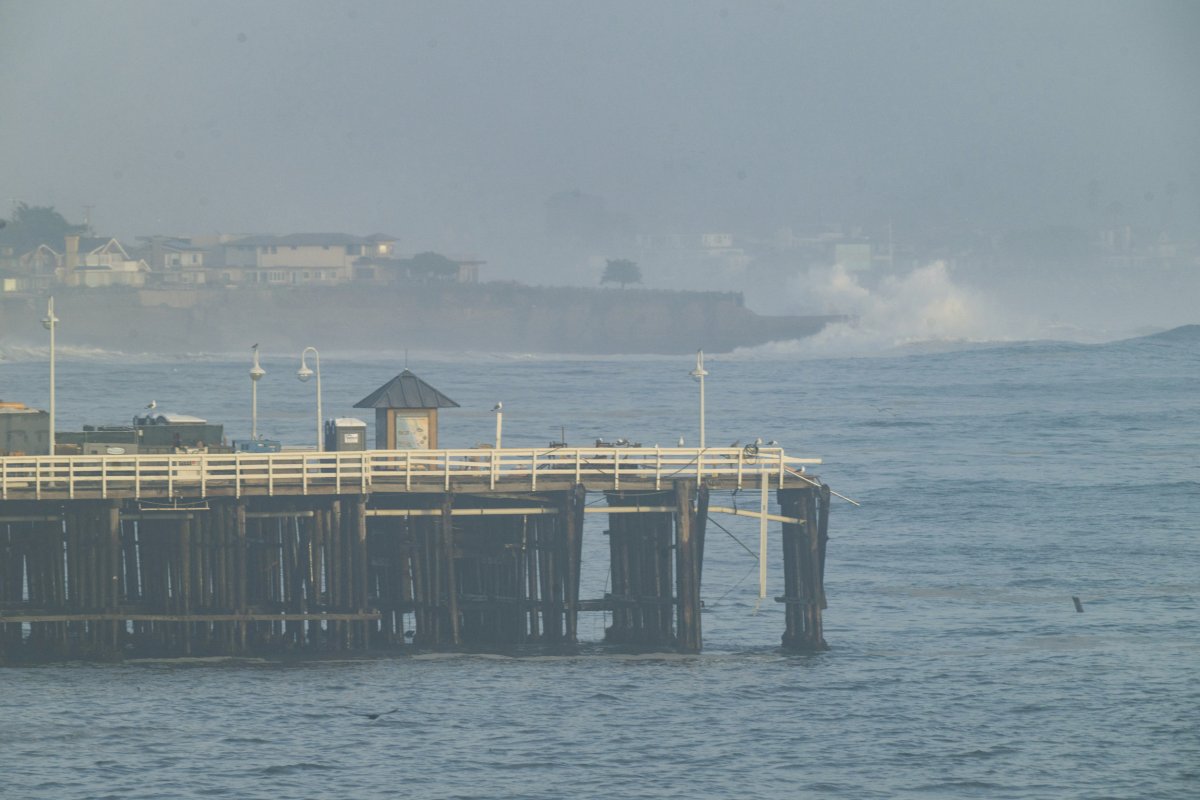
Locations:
{"points": [[495, 316]]}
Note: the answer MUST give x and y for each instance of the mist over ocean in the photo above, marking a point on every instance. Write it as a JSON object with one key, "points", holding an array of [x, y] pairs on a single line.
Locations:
{"points": [[997, 481]]}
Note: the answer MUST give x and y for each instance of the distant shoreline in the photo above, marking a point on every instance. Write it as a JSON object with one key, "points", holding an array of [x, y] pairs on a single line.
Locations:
{"points": [[484, 316]]}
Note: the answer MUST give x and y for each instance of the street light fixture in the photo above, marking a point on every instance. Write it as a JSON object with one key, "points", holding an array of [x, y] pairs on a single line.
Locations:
{"points": [[499, 409], [304, 373], [256, 373], [698, 373], [50, 323]]}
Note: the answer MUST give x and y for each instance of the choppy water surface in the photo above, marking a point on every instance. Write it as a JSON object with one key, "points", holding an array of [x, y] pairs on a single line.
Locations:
{"points": [[996, 483]]}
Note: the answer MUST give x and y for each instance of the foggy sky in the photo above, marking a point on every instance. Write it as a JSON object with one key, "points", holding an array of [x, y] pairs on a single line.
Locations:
{"points": [[450, 124]]}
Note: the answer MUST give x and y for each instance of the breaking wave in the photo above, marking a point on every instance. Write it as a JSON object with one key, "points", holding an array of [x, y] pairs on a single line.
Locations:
{"points": [[923, 309]]}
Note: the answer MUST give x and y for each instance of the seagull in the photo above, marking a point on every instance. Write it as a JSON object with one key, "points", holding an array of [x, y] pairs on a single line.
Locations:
{"points": [[151, 405], [736, 443], [378, 714], [498, 407], [681, 441]]}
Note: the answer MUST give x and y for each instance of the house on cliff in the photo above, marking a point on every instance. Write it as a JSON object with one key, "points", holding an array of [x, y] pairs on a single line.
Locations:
{"points": [[422, 268], [85, 261], [298, 259], [35, 271], [303, 258], [175, 261], [99, 262]]}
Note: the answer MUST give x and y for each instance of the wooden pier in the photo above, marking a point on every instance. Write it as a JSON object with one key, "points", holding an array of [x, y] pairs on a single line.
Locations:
{"points": [[106, 556]]}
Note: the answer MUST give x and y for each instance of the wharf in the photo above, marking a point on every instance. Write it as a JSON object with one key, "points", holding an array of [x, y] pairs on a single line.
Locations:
{"points": [[185, 554]]}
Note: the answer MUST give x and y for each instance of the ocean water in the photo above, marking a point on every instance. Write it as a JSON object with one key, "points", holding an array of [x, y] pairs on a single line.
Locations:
{"points": [[996, 482]]}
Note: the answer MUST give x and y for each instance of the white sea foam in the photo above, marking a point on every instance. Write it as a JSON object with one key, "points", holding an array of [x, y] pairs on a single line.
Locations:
{"points": [[923, 308], [22, 353]]}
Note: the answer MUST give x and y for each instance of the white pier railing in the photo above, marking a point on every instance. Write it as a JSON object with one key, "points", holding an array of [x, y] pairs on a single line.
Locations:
{"points": [[312, 472]]}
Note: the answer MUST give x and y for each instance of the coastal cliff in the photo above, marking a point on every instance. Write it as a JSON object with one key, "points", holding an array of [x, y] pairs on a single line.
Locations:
{"points": [[487, 316]]}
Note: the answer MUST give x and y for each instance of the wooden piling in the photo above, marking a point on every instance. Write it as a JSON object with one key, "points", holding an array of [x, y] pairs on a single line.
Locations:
{"points": [[687, 571], [642, 598], [804, 566], [571, 511]]}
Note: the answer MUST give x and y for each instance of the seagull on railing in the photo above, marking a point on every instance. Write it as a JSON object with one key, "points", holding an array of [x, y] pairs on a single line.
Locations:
{"points": [[151, 405]]}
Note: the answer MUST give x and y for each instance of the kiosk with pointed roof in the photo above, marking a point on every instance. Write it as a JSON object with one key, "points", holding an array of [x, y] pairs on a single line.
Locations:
{"points": [[406, 413]]}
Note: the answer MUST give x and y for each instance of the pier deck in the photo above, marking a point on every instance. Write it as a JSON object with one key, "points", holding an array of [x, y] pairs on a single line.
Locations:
{"points": [[234, 553], [393, 471]]}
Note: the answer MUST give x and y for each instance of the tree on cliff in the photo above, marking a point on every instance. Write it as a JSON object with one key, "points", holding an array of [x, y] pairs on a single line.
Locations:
{"points": [[622, 271], [433, 265], [31, 226]]}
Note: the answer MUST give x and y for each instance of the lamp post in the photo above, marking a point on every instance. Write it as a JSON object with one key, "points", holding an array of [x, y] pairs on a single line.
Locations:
{"points": [[50, 322], [304, 374], [256, 373], [698, 373], [499, 409]]}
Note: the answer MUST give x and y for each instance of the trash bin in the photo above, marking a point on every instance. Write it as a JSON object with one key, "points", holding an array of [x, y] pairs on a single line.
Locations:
{"points": [[345, 434]]}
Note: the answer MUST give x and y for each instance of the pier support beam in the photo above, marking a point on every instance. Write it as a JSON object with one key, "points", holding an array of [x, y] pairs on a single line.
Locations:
{"points": [[450, 570], [641, 563], [804, 566], [687, 569], [572, 517]]}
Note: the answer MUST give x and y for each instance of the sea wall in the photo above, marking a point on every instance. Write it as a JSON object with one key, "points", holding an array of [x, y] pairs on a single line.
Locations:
{"points": [[490, 316]]}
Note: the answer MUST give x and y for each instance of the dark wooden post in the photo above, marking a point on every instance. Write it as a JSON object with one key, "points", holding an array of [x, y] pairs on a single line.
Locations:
{"points": [[803, 563], [240, 555], [362, 582], [701, 529], [572, 513], [114, 564], [448, 559], [686, 572], [185, 581]]}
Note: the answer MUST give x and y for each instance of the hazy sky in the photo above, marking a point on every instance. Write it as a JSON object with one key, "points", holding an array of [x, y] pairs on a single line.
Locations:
{"points": [[450, 123]]}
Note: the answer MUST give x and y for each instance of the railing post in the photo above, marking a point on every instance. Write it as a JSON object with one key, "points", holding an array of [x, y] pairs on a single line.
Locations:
{"points": [[657, 468], [362, 472], [446, 462], [533, 470], [616, 469]]}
